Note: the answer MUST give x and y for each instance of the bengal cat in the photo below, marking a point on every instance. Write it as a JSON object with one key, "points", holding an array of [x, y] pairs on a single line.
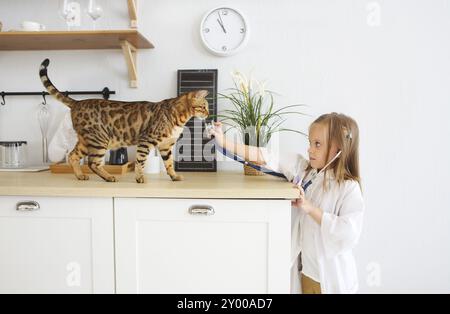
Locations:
{"points": [[104, 124]]}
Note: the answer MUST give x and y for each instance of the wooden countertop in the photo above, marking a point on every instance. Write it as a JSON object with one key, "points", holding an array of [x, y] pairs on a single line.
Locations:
{"points": [[195, 185]]}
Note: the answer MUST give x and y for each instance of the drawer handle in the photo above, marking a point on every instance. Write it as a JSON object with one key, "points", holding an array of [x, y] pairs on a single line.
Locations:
{"points": [[27, 206], [201, 210]]}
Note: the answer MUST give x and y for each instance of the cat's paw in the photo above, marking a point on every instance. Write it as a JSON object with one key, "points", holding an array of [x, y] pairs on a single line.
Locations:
{"points": [[111, 179], [140, 179], [178, 177], [83, 177]]}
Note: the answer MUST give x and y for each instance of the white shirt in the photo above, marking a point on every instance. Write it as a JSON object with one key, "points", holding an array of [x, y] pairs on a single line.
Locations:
{"points": [[308, 230], [327, 247], [310, 265]]}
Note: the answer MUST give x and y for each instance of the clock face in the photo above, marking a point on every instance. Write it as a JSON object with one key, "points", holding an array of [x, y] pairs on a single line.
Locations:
{"points": [[224, 31]]}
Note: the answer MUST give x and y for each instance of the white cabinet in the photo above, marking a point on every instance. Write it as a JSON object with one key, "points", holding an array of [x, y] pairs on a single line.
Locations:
{"points": [[145, 245], [202, 245], [66, 246]]}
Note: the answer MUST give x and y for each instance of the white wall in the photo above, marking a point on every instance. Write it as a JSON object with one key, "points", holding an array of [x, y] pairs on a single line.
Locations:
{"points": [[393, 78]]}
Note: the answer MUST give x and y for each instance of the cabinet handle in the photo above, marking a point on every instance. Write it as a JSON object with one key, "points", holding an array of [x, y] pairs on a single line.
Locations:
{"points": [[27, 206], [201, 210]]}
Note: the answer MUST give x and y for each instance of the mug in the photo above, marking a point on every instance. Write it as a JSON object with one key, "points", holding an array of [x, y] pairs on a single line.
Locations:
{"points": [[32, 26]]}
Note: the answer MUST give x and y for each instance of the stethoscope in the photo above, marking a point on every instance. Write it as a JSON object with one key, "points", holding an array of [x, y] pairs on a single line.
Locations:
{"points": [[243, 161], [235, 157], [297, 178]]}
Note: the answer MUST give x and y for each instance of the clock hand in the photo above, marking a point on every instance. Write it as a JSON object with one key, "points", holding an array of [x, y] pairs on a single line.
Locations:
{"points": [[221, 25], [221, 22]]}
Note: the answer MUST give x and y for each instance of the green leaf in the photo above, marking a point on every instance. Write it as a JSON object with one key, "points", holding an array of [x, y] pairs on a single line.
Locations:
{"points": [[252, 110]]}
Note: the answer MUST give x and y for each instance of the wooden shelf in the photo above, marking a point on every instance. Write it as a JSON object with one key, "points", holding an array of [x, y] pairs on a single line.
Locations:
{"points": [[127, 40], [65, 40]]}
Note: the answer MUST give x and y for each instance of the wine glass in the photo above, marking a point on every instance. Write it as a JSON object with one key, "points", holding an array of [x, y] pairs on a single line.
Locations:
{"points": [[66, 11], [95, 11]]}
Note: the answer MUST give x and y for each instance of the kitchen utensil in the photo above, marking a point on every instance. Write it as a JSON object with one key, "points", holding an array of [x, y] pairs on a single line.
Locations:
{"points": [[43, 118]]}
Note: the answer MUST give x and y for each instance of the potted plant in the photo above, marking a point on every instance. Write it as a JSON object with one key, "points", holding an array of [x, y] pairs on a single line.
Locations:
{"points": [[253, 113]]}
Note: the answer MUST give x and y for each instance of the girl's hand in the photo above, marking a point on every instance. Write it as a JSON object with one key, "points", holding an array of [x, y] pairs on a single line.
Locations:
{"points": [[217, 132], [301, 202]]}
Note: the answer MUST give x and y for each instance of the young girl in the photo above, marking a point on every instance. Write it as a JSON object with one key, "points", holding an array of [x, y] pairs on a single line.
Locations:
{"points": [[330, 204]]}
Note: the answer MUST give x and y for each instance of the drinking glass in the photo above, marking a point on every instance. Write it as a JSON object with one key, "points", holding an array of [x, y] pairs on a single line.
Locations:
{"points": [[66, 11], [95, 11]]}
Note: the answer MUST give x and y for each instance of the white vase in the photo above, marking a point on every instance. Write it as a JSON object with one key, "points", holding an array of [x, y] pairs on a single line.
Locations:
{"points": [[153, 163]]}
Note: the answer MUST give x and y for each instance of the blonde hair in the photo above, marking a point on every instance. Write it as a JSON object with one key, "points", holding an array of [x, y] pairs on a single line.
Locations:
{"points": [[344, 132]]}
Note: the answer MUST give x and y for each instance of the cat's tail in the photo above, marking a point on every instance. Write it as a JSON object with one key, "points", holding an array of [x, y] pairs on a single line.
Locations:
{"points": [[51, 88]]}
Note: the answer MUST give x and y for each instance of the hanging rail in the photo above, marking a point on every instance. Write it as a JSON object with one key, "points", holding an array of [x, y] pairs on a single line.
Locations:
{"points": [[105, 93]]}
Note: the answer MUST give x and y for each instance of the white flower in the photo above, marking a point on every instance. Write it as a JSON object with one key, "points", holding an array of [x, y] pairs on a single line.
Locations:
{"points": [[241, 81], [235, 74]]}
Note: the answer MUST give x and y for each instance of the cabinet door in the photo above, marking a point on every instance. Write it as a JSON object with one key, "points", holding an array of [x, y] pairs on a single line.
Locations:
{"points": [[65, 246], [241, 247]]}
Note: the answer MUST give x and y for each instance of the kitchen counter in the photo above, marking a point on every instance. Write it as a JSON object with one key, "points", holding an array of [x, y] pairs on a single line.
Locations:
{"points": [[228, 185], [130, 238]]}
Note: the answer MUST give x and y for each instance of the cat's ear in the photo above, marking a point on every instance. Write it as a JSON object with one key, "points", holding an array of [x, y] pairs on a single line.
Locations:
{"points": [[201, 94]]}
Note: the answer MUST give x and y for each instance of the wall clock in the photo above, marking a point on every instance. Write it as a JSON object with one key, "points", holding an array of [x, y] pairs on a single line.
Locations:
{"points": [[224, 31]]}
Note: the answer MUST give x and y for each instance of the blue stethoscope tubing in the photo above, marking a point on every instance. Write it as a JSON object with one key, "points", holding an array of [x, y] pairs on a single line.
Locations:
{"points": [[268, 171], [242, 161]]}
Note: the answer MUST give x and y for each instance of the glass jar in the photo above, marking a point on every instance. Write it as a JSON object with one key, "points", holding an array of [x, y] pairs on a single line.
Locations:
{"points": [[13, 154]]}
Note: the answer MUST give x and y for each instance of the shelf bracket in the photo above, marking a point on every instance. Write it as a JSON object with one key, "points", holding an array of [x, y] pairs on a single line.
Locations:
{"points": [[133, 13], [129, 52]]}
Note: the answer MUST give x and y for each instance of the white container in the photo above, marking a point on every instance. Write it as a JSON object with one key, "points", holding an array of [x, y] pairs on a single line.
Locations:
{"points": [[13, 154], [153, 163], [31, 26]]}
